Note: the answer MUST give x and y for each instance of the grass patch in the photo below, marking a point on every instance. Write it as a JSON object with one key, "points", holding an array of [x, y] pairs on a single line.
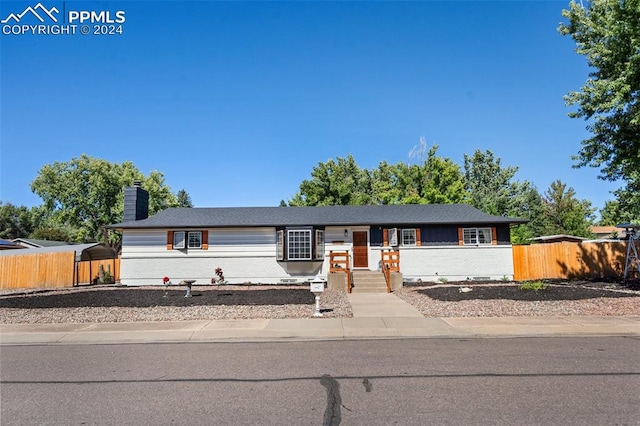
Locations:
{"points": [[533, 286]]}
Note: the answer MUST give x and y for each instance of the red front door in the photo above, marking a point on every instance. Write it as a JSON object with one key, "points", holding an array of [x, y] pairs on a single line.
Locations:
{"points": [[360, 250]]}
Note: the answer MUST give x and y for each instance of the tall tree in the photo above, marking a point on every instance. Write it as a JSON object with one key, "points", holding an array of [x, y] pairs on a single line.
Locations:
{"points": [[443, 180], [86, 193], [436, 181], [46, 226], [385, 185], [607, 33], [433, 179], [610, 214], [490, 186], [528, 204], [625, 208], [53, 234], [342, 182], [339, 182], [15, 221], [184, 199], [565, 213]]}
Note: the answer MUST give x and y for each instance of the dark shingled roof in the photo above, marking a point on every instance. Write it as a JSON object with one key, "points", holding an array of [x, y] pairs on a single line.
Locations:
{"points": [[427, 214], [39, 243]]}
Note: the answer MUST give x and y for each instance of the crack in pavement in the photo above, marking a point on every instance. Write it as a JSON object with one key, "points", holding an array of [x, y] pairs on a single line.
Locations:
{"points": [[332, 413]]}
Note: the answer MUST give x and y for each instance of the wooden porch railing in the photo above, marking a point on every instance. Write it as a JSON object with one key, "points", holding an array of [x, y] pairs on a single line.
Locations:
{"points": [[339, 262], [390, 263]]}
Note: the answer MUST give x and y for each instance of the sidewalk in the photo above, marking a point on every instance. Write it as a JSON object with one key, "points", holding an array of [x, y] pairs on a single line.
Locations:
{"points": [[375, 316]]}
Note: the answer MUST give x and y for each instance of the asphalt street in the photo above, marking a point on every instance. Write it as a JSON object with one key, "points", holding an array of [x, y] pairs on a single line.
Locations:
{"points": [[514, 381]]}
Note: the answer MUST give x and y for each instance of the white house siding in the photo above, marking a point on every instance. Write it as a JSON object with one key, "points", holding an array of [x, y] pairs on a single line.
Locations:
{"points": [[335, 240], [244, 254], [249, 255], [456, 263]]}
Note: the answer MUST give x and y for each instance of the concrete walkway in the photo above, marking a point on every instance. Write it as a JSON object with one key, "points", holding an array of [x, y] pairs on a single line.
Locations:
{"points": [[367, 305], [375, 316]]}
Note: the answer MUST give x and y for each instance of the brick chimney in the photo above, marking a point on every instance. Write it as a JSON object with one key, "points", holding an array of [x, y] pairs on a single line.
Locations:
{"points": [[136, 203]]}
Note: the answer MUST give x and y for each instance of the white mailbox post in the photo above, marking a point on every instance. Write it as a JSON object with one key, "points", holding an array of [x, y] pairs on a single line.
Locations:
{"points": [[317, 287]]}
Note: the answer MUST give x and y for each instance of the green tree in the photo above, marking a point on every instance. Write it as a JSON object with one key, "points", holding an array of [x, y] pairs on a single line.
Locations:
{"points": [[528, 204], [432, 179], [492, 188], [565, 213], [87, 193], [385, 184], [53, 234], [339, 182], [342, 182], [184, 199], [15, 221], [443, 180], [489, 185], [625, 208], [46, 226], [436, 181], [607, 33]]}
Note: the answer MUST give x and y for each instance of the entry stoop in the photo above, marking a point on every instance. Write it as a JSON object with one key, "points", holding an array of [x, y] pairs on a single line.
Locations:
{"points": [[368, 282]]}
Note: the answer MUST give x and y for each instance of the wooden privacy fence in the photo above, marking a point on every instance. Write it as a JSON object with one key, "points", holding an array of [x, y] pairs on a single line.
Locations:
{"points": [[568, 260], [43, 270], [51, 270]]}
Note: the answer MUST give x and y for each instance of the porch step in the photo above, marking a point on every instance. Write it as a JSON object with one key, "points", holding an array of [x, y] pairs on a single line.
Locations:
{"points": [[368, 282]]}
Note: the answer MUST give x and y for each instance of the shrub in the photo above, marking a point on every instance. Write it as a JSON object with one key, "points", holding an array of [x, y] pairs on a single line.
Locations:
{"points": [[219, 278], [533, 286]]}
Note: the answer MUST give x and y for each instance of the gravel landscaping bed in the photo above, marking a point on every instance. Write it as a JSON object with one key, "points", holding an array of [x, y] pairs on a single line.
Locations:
{"points": [[155, 303], [506, 300], [132, 304]]}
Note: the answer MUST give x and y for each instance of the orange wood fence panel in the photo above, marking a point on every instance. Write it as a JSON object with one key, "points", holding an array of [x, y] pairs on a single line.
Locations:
{"points": [[567, 260], [43, 270], [52, 270], [392, 259], [87, 270], [339, 262]]}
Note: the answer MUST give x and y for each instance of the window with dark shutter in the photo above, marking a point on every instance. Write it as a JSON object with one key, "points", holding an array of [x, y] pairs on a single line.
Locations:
{"points": [[280, 245]]}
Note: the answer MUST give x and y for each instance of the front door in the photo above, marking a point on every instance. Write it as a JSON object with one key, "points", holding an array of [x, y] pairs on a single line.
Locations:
{"points": [[360, 250]]}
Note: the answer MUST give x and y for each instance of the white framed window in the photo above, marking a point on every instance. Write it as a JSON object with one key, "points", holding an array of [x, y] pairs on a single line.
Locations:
{"points": [[409, 237], [476, 236], [184, 239], [393, 236], [319, 255], [195, 239], [179, 240], [299, 244]]}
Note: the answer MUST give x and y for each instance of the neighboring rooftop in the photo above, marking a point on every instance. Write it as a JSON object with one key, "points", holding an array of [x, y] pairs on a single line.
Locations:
{"points": [[89, 251], [31, 243], [317, 216], [558, 238], [608, 232], [9, 245]]}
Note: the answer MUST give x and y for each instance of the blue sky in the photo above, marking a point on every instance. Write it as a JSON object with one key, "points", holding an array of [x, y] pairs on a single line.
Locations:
{"points": [[235, 102]]}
